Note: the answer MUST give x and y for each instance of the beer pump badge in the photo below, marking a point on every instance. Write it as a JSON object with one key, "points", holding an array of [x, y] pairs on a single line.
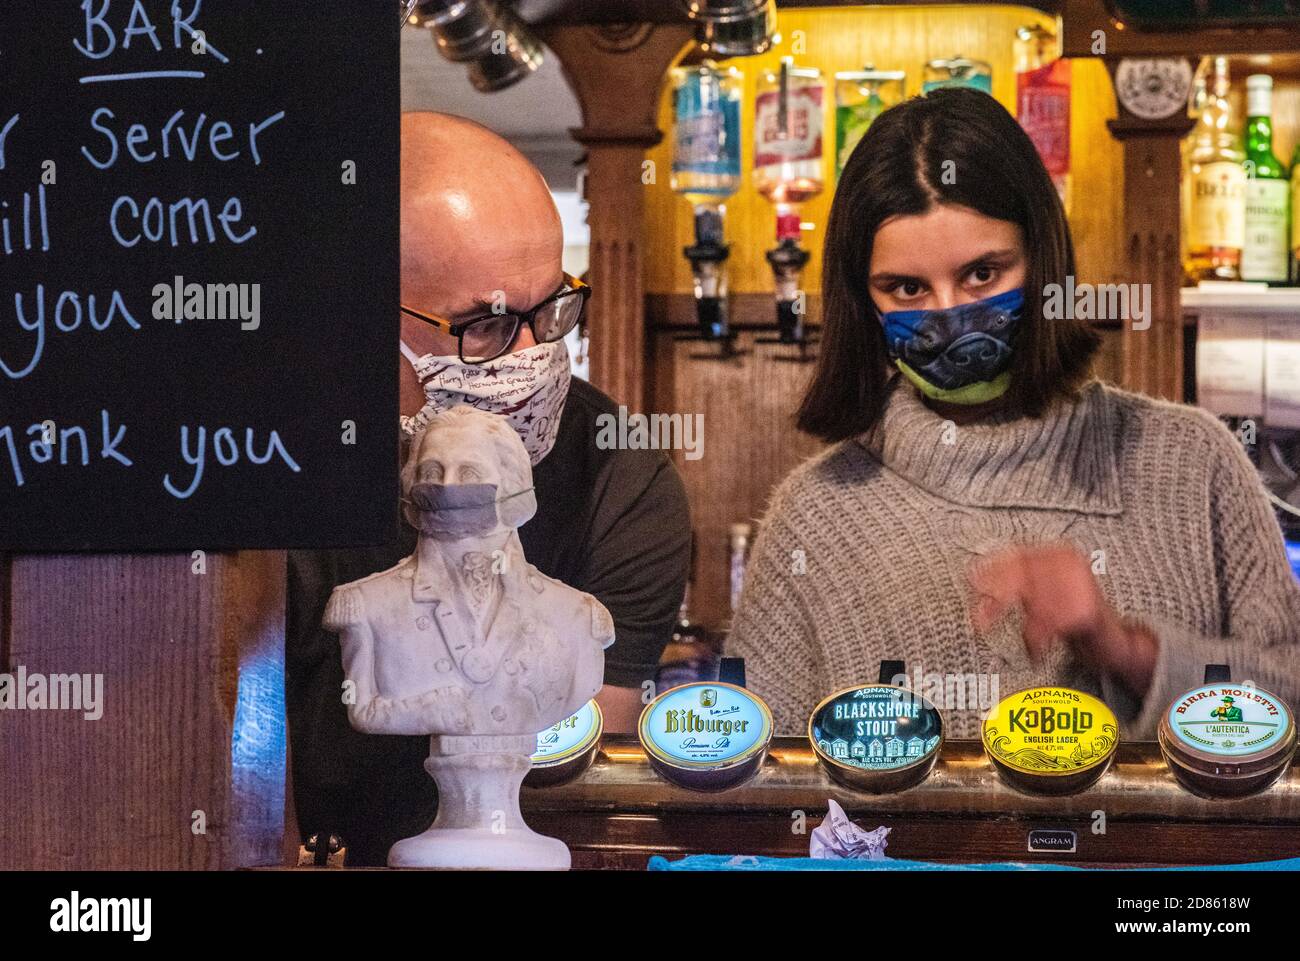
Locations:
{"points": [[707, 735], [1227, 740], [567, 749], [868, 736], [1051, 739], [1229, 721]]}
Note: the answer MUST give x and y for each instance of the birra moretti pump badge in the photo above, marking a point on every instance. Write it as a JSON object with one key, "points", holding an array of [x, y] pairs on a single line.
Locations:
{"points": [[1226, 740]]}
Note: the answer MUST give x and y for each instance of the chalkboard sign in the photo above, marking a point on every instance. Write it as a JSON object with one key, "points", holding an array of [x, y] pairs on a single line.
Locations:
{"points": [[198, 274]]}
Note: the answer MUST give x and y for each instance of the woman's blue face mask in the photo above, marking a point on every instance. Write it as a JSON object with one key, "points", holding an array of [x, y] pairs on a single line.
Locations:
{"points": [[961, 355]]}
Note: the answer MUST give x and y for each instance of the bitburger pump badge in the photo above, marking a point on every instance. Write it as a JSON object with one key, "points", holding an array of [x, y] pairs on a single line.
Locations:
{"points": [[1051, 740], [706, 736]]}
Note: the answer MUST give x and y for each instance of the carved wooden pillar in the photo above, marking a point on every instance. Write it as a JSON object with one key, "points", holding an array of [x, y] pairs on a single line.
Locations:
{"points": [[1153, 357], [617, 73]]}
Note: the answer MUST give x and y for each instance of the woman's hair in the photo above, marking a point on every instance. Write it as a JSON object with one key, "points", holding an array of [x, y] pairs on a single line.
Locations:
{"points": [[952, 146]]}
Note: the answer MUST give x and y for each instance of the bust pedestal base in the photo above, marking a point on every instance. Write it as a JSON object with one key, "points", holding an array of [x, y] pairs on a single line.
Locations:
{"points": [[479, 826]]}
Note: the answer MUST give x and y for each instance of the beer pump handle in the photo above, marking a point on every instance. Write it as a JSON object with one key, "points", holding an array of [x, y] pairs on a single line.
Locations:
{"points": [[1217, 674], [890, 670], [731, 670]]}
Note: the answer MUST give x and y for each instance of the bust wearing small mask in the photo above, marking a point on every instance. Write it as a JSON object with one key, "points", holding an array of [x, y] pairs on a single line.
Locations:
{"points": [[484, 306]]}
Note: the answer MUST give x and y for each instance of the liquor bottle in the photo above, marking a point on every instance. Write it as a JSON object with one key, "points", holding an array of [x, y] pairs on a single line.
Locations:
{"points": [[686, 631], [1043, 102], [1265, 255], [738, 558], [788, 172], [706, 171], [1295, 220], [694, 652], [1216, 216], [1196, 106], [788, 141], [860, 97], [692, 655], [706, 148], [958, 72]]}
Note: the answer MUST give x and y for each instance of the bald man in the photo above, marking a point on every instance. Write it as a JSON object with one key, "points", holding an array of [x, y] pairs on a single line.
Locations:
{"points": [[482, 241]]}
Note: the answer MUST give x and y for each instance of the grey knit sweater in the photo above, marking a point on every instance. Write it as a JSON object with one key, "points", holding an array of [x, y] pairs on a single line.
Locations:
{"points": [[864, 551]]}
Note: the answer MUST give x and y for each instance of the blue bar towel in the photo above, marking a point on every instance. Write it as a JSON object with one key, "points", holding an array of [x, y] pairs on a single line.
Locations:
{"points": [[745, 862]]}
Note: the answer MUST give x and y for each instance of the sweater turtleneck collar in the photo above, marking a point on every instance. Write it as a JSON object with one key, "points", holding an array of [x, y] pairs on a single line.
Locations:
{"points": [[1063, 460]]}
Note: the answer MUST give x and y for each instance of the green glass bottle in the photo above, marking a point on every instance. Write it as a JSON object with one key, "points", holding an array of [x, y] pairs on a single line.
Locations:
{"points": [[860, 97], [1295, 221], [1266, 253]]}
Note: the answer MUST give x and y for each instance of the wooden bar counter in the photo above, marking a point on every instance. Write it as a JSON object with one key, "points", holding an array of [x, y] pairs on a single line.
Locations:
{"points": [[619, 813]]}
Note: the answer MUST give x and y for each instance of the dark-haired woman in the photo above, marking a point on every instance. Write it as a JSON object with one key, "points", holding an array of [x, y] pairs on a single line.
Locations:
{"points": [[988, 514]]}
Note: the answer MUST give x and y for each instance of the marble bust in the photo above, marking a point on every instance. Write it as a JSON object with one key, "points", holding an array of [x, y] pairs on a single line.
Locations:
{"points": [[467, 642]]}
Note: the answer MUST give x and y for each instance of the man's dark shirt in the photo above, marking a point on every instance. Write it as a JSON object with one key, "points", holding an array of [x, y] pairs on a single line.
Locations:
{"points": [[614, 523]]}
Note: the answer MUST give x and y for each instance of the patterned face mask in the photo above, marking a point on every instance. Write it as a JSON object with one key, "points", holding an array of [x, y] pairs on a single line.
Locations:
{"points": [[960, 355], [527, 388]]}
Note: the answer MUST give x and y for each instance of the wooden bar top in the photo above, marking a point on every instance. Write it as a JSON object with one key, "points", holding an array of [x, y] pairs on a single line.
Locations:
{"points": [[963, 782], [619, 811]]}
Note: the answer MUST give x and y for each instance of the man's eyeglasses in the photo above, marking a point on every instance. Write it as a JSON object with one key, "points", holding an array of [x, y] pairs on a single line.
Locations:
{"points": [[485, 338]]}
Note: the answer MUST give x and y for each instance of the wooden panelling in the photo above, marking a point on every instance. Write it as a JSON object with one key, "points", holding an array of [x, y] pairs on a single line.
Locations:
{"points": [[6, 608], [1096, 207], [750, 443], [193, 714], [614, 70], [1153, 357], [1108, 365]]}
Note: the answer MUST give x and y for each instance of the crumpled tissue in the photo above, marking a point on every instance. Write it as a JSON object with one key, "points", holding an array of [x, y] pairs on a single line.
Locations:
{"points": [[839, 839]]}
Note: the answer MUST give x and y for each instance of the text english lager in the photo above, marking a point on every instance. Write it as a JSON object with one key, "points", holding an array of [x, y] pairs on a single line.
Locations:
{"points": [[1048, 720]]}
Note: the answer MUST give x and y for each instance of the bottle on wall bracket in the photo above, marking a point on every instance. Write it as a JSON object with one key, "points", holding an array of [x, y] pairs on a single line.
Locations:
{"points": [[957, 72], [788, 173], [706, 171], [1043, 102], [1265, 255], [860, 97], [788, 139], [1216, 189]]}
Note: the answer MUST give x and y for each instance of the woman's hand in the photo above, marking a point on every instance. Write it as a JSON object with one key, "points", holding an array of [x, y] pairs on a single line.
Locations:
{"points": [[1054, 588]]}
